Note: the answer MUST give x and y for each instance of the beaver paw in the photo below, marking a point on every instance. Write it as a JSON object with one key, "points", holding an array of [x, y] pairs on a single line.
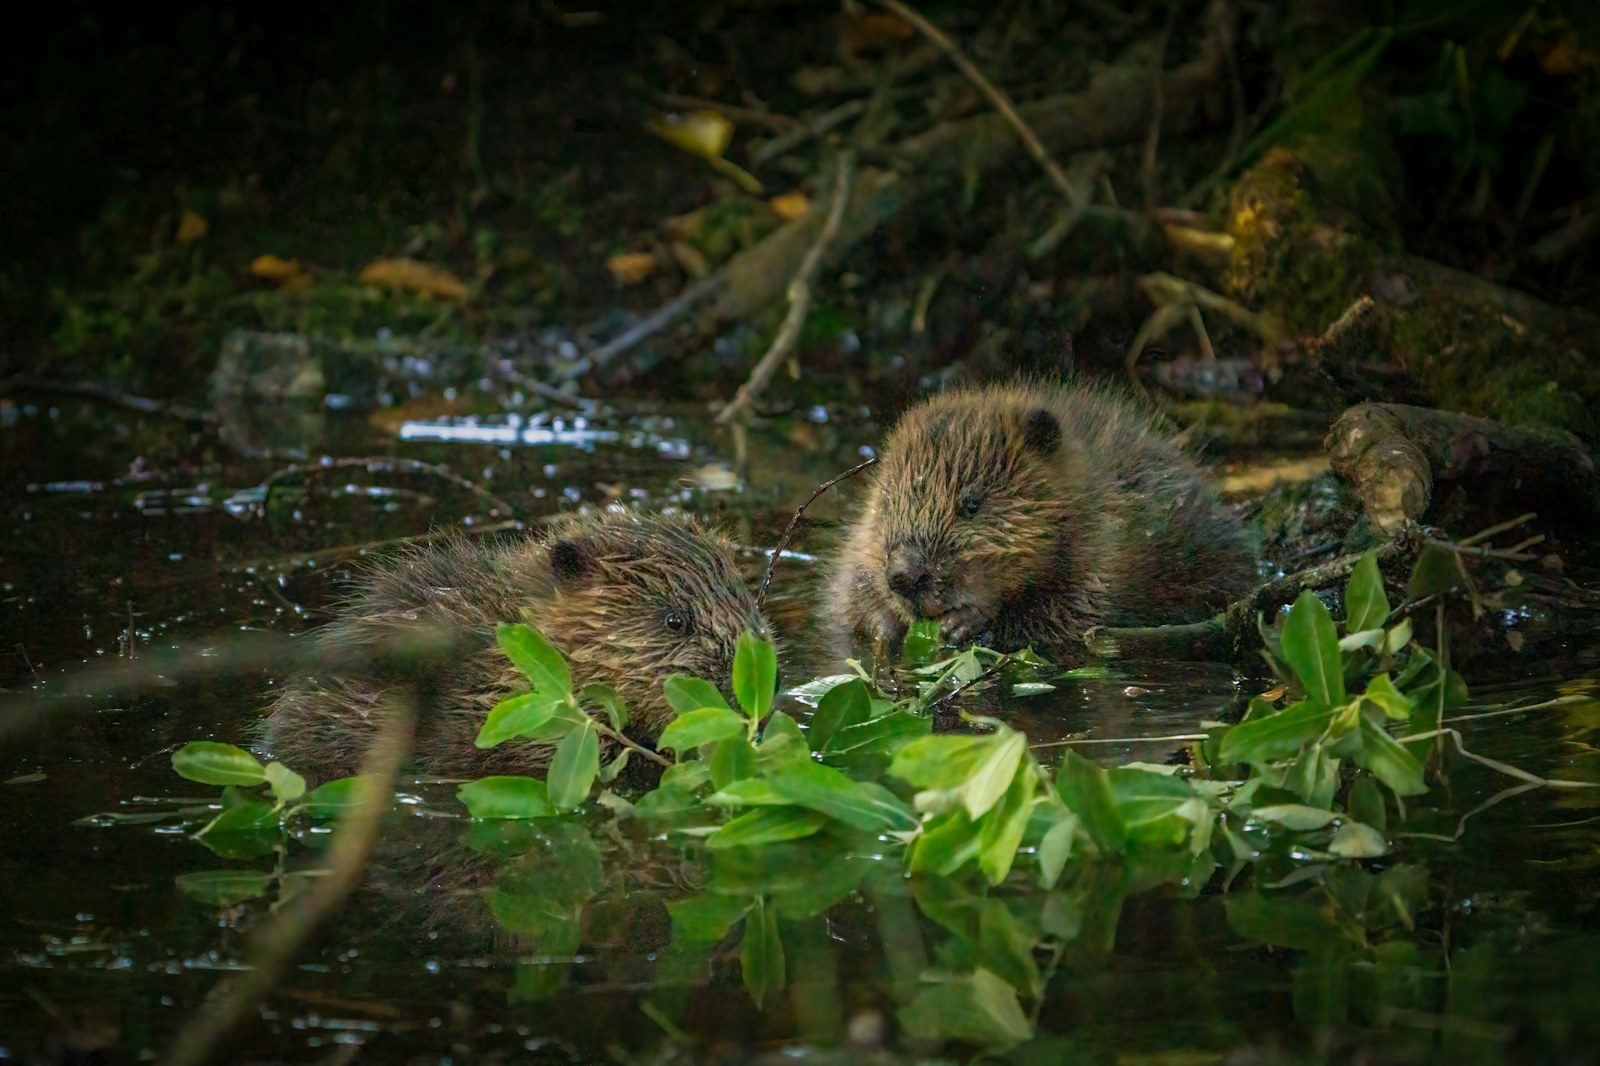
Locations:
{"points": [[965, 625]]}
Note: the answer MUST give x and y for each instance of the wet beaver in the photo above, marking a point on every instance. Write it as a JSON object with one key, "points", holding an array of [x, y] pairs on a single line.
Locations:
{"points": [[1025, 514], [629, 599]]}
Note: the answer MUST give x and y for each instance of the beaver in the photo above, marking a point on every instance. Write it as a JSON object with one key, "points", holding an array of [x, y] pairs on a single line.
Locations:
{"points": [[628, 598], [1023, 514]]}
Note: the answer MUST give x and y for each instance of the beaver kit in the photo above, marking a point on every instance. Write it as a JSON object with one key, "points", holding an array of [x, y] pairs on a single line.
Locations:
{"points": [[629, 599], [1024, 515]]}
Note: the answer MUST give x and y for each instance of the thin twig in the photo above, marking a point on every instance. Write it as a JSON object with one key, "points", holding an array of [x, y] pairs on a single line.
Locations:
{"points": [[623, 739], [281, 937], [1077, 741], [788, 531], [659, 319], [1152, 142], [1002, 103], [769, 119], [90, 391], [999, 665], [799, 297], [816, 127], [375, 464], [1495, 531]]}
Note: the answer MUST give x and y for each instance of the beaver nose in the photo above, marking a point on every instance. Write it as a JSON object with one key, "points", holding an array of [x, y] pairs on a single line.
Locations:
{"points": [[908, 572]]}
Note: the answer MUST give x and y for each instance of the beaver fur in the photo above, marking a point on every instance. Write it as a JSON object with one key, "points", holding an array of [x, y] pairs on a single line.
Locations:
{"points": [[628, 598], [1023, 515]]}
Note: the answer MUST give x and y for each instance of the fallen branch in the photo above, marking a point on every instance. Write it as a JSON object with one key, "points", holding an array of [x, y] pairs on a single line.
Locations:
{"points": [[799, 297], [106, 395], [1002, 103], [376, 464], [657, 320]]}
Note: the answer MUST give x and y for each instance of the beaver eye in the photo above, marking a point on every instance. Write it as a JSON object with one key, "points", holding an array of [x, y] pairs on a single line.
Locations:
{"points": [[971, 505], [676, 620]]}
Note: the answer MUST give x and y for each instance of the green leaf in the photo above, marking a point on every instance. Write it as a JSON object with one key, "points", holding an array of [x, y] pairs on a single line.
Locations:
{"points": [[211, 763], [685, 693], [732, 760], [1056, 848], [574, 767], [1389, 761], [782, 744], [995, 773], [1357, 841], [1084, 789], [615, 707], [755, 675], [506, 797], [843, 705], [333, 797], [224, 887], [1294, 816], [1006, 945], [1261, 740], [946, 844], [1366, 803], [686, 775], [1397, 636], [1003, 827], [1031, 688], [703, 726], [940, 762], [706, 918], [1437, 572], [1151, 806], [1311, 645], [812, 691], [982, 1009], [767, 825], [287, 785], [761, 961], [1285, 922], [533, 655], [1366, 638], [530, 714], [1382, 694], [865, 805], [921, 643], [245, 818], [1366, 605], [887, 734]]}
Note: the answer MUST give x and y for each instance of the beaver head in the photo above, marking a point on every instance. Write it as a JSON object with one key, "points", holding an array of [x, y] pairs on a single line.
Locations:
{"points": [[636, 598], [968, 506]]}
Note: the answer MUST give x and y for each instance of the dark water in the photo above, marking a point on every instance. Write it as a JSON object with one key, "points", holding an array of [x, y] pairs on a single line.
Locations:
{"points": [[120, 540]]}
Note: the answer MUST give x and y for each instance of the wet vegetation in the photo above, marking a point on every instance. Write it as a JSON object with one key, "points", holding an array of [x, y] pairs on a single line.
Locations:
{"points": [[288, 293]]}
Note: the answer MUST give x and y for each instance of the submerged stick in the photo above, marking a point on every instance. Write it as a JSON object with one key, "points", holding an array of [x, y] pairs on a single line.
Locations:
{"points": [[788, 531]]}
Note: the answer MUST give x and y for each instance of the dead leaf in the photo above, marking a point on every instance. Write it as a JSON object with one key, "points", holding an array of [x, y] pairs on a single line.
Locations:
{"points": [[691, 259], [630, 268], [191, 227], [790, 205], [1514, 639], [704, 133], [272, 268], [714, 477], [1513, 578], [411, 276]]}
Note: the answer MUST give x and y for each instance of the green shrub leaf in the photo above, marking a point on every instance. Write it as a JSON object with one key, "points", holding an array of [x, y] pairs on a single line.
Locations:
{"points": [[1261, 740], [287, 785], [1311, 645], [767, 825], [224, 888], [574, 767], [533, 655], [703, 726], [685, 693], [755, 674], [843, 705], [527, 715], [506, 797], [1365, 603], [211, 763]]}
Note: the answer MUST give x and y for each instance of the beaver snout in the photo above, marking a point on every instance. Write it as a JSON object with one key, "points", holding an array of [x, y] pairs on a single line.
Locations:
{"points": [[909, 574]]}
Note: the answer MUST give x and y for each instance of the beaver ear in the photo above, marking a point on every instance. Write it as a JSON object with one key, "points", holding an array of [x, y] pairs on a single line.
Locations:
{"points": [[1042, 432], [570, 561]]}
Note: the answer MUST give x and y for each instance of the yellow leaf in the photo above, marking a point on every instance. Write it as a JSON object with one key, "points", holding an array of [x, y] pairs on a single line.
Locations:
{"points": [[630, 268], [790, 205], [703, 133], [274, 269], [412, 276], [191, 227]]}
